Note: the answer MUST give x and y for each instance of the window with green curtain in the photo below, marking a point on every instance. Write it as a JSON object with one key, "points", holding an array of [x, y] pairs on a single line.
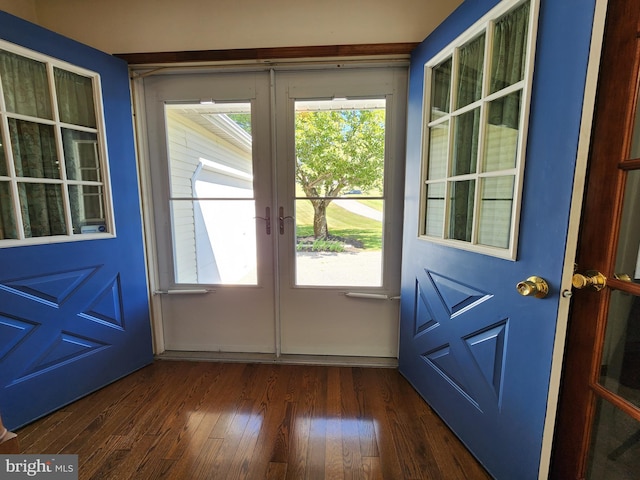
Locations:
{"points": [[473, 133], [52, 174]]}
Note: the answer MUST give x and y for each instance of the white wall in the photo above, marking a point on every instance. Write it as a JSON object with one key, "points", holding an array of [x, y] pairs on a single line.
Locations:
{"points": [[25, 9], [126, 26]]}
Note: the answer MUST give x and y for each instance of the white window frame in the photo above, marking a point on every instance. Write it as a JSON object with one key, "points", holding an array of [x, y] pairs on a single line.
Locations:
{"points": [[101, 149], [484, 25]]}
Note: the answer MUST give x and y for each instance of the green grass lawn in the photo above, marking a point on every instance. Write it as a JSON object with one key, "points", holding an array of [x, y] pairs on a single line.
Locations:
{"points": [[342, 223]]}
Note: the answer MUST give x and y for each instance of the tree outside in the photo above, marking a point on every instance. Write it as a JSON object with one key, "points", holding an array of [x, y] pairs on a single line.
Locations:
{"points": [[338, 151]]}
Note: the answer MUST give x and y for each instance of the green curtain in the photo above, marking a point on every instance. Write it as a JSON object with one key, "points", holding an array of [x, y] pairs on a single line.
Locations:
{"points": [[25, 85], [35, 156], [7, 221], [508, 63], [26, 91], [75, 98], [466, 138]]}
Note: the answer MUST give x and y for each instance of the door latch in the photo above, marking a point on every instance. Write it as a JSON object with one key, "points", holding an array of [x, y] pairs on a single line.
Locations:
{"points": [[267, 219], [282, 218]]}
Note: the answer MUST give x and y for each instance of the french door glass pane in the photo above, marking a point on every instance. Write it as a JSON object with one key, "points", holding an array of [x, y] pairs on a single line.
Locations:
{"points": [[508, 58], [435, 210], [25, 85], [470, 70], [615, 444], [461, 210], [635, 146], [81, 155], [620, 370], [502, 135], [8, 227], [87, 208], [496, 201], [34, 149], [465, 147], [212, 197], [438, 153], [441, 89], [75, 98], [339, 200], [42, 209], [628, 253]]}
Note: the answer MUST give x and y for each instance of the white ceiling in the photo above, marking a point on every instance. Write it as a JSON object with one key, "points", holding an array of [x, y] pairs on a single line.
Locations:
{"points": [[129, 26]]}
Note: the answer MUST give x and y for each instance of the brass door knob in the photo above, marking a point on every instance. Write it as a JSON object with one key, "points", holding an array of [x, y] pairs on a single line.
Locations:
{"points": [[533, 287], [591, 279]]}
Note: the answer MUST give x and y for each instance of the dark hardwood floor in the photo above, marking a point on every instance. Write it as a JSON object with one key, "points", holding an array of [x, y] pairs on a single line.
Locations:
{"points": [[204, 420]]}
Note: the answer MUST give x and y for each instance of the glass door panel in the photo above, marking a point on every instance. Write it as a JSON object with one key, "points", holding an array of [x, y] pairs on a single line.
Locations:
{"points": [[615, 444], [339, 192], [620, 365], [212, 198]]}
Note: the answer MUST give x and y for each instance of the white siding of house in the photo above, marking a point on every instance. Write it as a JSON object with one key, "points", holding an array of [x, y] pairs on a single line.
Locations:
{"points": [[188, 143]]}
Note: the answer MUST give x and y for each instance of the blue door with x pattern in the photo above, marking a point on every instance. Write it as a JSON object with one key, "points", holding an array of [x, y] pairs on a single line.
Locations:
{"points": [[495, 104], [74, 315]]}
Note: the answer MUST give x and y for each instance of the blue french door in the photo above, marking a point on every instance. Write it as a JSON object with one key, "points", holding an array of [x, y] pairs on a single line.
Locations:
{"points": [[479, 352], [74, 316]]}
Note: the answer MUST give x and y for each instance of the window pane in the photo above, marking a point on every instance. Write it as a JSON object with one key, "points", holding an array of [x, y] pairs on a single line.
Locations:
{"points": [[440, 89], [465, 147], [8, 227], [42, 210], [615, 444], [496, 203], [351, 255], [509, 48], [461, 210], [339, 149], [211, 162], [635, 146], [3, 160], [81, 155], [87, 208], [620, 369], [25, 85], [501, 145], [628, 252], [470, 69], [214, 241], [435, 210], [438, 142], [75, 98], [34, 149]]}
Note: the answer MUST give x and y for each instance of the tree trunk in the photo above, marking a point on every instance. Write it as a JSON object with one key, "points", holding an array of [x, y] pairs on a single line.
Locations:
{"points": [[320, 229]]}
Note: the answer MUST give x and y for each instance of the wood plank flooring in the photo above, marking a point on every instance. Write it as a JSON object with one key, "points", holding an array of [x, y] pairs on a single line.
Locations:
{"points": [[204, 420]]}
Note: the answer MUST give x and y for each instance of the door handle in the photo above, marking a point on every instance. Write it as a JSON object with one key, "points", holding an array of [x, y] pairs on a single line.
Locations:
{"points": [[267, 219], [623, 277], [533, 287], [591, 279], [281, 219]]}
